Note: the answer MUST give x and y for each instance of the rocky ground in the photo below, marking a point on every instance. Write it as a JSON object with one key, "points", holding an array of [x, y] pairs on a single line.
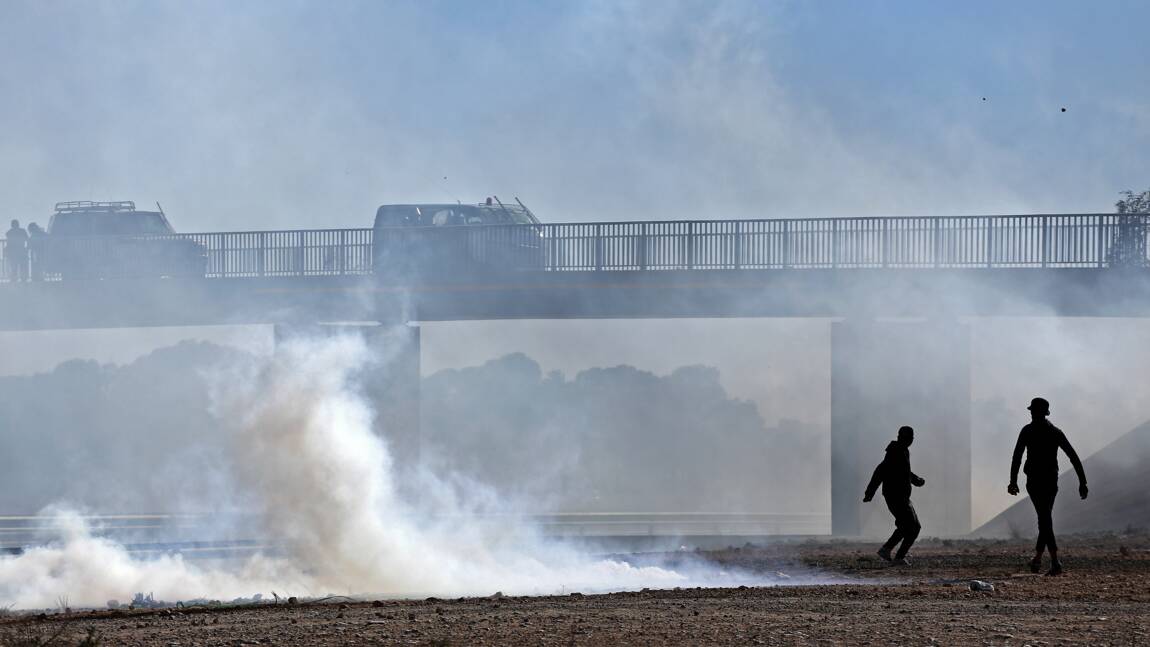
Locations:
{"points": [[1104, 599]]}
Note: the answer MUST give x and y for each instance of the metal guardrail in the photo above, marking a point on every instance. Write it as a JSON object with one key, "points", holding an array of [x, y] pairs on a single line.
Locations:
{"points": [[200, 535], [323, 252], [1066, 240], [1087, 240]]}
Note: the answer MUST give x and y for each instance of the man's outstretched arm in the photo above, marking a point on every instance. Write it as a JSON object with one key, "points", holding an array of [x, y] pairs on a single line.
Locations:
{"points": [[1015, 463], [875, 481], [1064, 444]]}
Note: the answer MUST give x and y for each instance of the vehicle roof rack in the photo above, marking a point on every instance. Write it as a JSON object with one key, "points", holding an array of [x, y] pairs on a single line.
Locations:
{"points": [[88, 205]]}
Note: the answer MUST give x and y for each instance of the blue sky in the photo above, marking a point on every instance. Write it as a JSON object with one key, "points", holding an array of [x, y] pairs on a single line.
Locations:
{"points": [[309, 114]]}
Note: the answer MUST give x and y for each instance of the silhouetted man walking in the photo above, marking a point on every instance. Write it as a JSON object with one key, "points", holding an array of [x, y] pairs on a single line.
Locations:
{"points": [[894, 474], [1041, 441]]}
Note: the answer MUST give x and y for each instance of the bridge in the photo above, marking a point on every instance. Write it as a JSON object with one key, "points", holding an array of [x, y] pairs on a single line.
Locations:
{"points": [[832, 267], [868, 272]]}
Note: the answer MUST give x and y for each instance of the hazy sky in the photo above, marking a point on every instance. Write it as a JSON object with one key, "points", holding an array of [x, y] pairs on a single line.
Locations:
{"points": [[309, 114], [247, 115]]}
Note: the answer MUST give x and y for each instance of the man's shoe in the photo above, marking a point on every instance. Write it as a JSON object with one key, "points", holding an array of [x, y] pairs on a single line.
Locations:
{"points": [[1036, 565], [901, 561], [1055, 569], [884, 553]]}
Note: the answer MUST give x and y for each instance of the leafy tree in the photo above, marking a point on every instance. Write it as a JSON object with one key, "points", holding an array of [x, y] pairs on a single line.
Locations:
{"points": [[1134, 203], [1128, 238]]}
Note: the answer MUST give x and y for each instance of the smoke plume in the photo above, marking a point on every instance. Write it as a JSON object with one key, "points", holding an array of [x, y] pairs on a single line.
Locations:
{"points": [[324, 489]]}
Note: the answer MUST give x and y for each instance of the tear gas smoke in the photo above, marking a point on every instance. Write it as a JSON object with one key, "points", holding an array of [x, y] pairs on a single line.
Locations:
{"points": [[326, 490]]}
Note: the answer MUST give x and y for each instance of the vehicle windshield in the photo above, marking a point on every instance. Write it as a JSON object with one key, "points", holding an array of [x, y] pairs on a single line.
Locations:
{"points": [[440, 215], [109, 223]]}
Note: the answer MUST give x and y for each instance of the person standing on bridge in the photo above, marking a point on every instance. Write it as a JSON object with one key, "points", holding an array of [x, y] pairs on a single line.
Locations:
{"points": [[1041, 441], [16, 252], [36, 237], [894, 474]]}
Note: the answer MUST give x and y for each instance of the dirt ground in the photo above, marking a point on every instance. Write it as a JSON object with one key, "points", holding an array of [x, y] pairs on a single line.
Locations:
{"points": [[1103, 599]]}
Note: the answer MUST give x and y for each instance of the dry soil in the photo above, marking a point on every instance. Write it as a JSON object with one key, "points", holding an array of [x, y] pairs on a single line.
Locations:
{"points": [[1103, 599]]}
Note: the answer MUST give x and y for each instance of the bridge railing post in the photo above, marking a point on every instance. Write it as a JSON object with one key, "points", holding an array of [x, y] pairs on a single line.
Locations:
{"points": [[1044, 241], [642, 246], [990, 241], [884, 242], [835, 242], [936, 242], [340, 260], [787, 243], [690, 244], [299, 253], [598, 247], [738, 260], [1102, 235]]}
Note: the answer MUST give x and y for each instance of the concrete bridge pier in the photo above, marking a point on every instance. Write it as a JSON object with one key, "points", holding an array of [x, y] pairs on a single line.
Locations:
{"points": [[390, 383], [885, 374]]}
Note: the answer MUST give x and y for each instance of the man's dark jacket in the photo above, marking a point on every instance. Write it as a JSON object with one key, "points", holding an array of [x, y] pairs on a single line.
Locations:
{"points": [[1041, 441], [893, 473]]}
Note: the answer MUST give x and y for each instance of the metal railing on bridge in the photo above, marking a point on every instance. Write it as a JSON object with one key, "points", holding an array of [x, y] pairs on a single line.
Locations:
{"points": [[239, 254], [1030, 241]]}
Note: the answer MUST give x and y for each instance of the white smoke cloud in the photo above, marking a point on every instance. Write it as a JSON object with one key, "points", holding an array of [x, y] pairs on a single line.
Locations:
{"points": [[325, 489], [87, 570]]}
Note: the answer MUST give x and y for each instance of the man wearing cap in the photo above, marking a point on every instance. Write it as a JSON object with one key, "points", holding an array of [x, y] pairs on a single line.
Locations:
{"points": [[896, 478], [1041, 441]]}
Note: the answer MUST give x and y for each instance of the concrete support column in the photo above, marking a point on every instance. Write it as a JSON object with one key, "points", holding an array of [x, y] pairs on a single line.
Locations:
{"points": [[885, 375], [391, 383]]}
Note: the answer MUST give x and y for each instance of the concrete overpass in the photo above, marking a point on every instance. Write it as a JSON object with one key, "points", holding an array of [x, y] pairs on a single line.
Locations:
{"points": [[865, 271], [1066, 265]]}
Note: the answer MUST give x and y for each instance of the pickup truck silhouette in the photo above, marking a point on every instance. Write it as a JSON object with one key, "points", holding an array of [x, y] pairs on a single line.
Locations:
{"points": [[94, 240]]}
